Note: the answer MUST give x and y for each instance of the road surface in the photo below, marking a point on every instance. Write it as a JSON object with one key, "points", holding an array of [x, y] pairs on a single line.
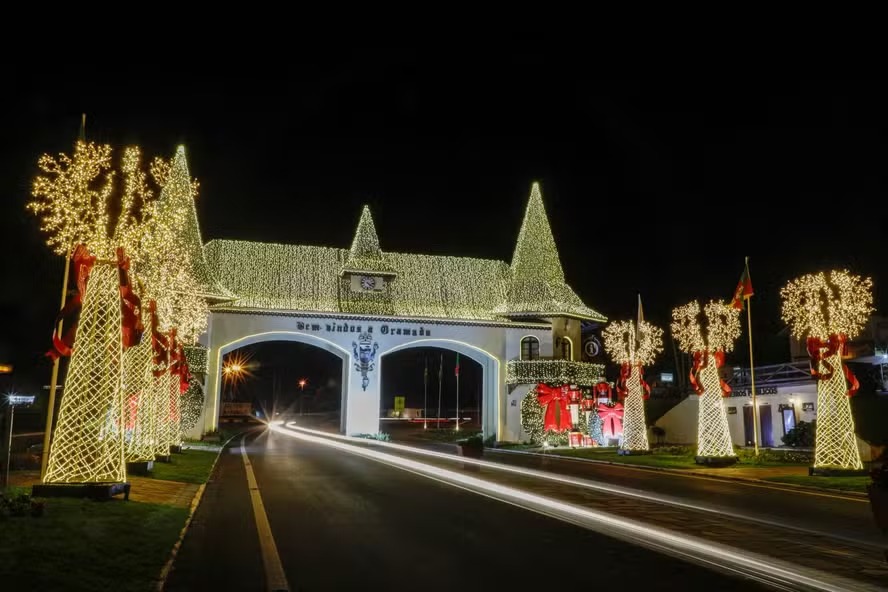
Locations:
{"points": [[343, 522]]}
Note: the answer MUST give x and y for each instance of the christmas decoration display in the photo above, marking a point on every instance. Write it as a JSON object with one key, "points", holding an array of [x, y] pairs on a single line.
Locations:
{"points": [[139, 402], [723, 328], [611, 417], [536, 282], [829, 309], [86, 448], [192, 403], [595, 427], [633, 345], [533, 416], [555, 401], [298, 277], [553, 372]]}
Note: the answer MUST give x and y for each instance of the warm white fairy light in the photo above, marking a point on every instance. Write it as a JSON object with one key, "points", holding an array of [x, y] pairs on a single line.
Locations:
{"points": [[72, 198], [830, 308], [820, 305], [88, 446], [554, 372], [722, 330], [633, 346]]}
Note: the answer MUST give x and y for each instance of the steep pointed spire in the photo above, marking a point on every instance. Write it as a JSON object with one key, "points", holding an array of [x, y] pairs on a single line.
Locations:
{"points": [[365, 254], [536, 286], [176, 208], [536, 256]]}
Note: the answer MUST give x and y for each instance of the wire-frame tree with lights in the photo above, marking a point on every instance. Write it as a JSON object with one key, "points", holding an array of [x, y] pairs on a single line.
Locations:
{"points": [[633, 345], [722, 330], [829, 309], [73, 200]]}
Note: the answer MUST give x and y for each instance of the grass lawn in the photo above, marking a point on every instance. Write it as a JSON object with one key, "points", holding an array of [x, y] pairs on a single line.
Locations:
{"points": [[671, 461], [856, 483], [86, 545], [192, 466]]}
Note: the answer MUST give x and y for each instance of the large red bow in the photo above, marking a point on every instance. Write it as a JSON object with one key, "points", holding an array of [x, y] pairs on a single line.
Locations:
{"points": [[178, 363], [625, 374], [131, 327], [555, 400], [835, 343], [611, 419], [83, 264], [701, 360]]}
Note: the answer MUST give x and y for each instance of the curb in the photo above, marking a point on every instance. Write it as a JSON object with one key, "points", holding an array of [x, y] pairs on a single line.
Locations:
{"points": [[688, 472], [195, 502]]}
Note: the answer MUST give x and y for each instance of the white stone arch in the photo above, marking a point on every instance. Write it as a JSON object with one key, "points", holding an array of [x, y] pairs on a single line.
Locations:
{"points": [[214, 371], [491, 412]]}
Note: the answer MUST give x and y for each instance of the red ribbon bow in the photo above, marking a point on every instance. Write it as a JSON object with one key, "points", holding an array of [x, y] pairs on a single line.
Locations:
{"points": [[555, 400], [159, 343], [131, 327], [625, 374], [701, 360], [611, 419], [835, 343], [83, 264]]}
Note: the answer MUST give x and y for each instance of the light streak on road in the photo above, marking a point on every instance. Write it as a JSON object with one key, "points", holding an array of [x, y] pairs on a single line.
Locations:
{"points": [[646, 496], [773, 572]]}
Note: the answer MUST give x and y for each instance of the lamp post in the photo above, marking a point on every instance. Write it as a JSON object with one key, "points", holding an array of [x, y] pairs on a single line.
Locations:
{"points": [[302, 383], [13, 400]]}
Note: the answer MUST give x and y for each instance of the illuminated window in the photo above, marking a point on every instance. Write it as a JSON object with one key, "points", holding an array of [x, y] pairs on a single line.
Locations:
{"points": [[530, 348]]}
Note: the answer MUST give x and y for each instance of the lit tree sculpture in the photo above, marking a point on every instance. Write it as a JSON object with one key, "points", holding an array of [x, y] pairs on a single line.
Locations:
{"points": [[633, 346], [829, 309], [723, 329]]}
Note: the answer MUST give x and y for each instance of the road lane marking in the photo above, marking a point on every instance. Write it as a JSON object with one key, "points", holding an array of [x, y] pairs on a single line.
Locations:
{"points": [[775, 572], [275, 578]]}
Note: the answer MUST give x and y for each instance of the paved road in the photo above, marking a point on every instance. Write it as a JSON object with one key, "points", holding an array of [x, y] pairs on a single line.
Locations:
{"points": [[834, 514], [342, 522]]}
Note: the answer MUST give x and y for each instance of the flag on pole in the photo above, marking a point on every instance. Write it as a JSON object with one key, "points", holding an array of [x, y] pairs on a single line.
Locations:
{"points": [[456, 368], [425, 373], [744, 288], [441, 368]]}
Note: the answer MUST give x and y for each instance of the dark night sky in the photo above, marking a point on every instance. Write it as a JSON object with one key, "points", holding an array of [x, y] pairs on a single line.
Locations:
{"points": [[650, 186]]}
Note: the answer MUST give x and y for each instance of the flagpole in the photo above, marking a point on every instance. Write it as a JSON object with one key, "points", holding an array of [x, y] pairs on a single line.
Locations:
{"points": [[440, 381], [755, 421], [457, 392], [425, 396]]}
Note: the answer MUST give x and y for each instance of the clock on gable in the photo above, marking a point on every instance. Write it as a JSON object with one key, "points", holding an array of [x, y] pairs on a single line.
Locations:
{"points": [[367, 283]]}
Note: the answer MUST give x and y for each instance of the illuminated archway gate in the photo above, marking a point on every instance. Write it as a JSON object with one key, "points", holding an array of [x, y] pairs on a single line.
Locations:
{"points": [[361, 343]]}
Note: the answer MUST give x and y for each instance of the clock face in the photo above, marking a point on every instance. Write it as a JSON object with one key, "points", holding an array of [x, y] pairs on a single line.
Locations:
{"points": [[368, 283]]}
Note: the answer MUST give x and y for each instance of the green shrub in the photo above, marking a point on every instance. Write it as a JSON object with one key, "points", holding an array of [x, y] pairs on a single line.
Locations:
{"points": [[381, 436], [801, 436]]}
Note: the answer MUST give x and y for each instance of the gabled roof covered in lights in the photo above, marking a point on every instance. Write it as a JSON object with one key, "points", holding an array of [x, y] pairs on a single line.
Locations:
{"points": [[266, 276]]}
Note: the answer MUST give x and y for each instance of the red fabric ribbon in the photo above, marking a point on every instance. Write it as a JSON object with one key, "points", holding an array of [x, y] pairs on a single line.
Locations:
{"points": [[821, 350], [131, 327], [611, 419], [132, 410], [625, 373], [159, 343], [83, 264], [555, 399], [701, 360]]}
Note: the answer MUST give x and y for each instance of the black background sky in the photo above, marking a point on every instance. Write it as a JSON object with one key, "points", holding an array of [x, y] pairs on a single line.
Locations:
{"points": [[651, 186]]}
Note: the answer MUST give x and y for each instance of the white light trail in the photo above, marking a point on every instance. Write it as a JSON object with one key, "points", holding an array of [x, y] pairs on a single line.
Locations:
{"points": [[646, 496], [763, 569]]}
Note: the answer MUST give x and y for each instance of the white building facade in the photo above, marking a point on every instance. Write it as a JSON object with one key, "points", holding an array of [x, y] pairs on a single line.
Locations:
{"points": [[520, 322]]}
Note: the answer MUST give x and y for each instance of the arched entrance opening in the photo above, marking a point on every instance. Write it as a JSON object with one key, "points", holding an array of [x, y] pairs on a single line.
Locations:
{"points": [[425, 374], [286, 374]]}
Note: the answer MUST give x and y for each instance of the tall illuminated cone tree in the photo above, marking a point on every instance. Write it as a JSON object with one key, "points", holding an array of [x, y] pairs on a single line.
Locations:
{"points": [[633, 345], [722, 330], [829, 309], [84, 450]]}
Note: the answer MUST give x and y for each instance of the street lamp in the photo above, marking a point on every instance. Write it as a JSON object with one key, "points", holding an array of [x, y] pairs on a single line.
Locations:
{"points": [[12, 400], [302, 382]]}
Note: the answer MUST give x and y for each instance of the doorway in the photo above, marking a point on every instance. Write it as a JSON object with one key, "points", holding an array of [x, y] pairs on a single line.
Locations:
{"points": [[765, 420]]}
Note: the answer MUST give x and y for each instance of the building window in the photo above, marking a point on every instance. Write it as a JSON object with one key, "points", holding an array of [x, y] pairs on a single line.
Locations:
{"points": [[566, 349], [530, 348]]}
